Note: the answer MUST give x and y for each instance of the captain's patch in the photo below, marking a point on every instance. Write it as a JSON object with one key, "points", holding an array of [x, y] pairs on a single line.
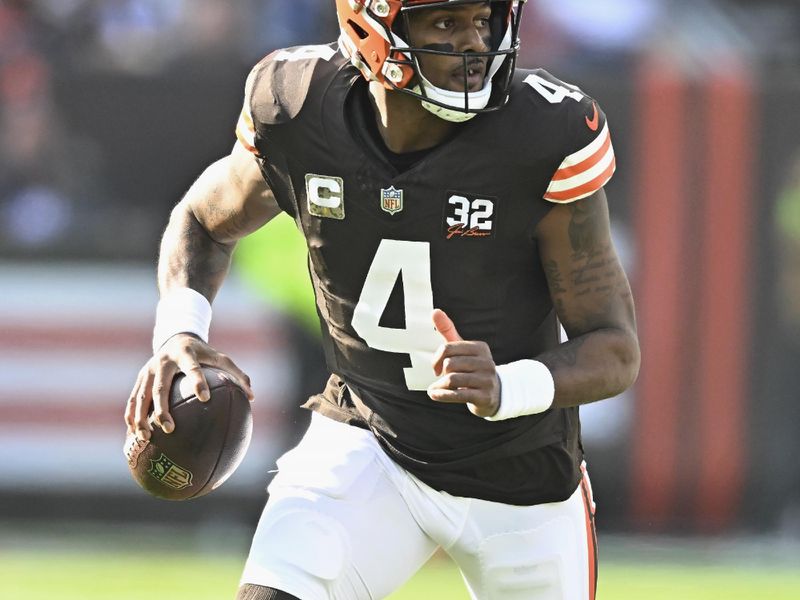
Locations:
{"points": [[325, 196]]}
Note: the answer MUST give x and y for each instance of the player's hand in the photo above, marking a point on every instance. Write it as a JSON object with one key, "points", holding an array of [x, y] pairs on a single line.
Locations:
{"points": [[184, 353], [465, 370]]}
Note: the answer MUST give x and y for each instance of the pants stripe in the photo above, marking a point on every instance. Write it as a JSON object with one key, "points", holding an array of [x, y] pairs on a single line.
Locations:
{"points": [[591, 534]]}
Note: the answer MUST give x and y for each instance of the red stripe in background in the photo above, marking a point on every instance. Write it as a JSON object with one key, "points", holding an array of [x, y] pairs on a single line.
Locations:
{"points": [[78, 412], [659, 204], [131, 337], [724, 339]]}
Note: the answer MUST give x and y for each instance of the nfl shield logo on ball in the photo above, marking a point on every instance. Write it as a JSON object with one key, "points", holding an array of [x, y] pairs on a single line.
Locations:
{"points": [[392, 200], [168, 473]]}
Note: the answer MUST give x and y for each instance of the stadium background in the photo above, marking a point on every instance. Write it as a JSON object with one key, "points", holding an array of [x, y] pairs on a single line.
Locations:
{"points": [[108, 110]]}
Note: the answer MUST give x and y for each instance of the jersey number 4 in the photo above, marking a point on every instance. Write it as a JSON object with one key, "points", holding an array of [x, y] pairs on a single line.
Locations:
{"points": [[554, 93], [412, 262]]}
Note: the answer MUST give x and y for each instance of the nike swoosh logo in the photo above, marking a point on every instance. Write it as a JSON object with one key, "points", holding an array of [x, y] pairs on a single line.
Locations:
{"points": [[594, 123]]}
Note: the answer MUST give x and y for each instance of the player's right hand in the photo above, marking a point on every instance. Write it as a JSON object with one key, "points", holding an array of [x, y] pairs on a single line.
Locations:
{"points": [[182, 353]]}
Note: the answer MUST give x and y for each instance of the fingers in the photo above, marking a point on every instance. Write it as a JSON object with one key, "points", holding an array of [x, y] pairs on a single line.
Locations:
{"points": [[445, 326], [162, 381], [466, 371], [223, 362], [453, 356], [184, 354], [457, 396], [480, 393], [482, 399], [141, 426], [189, 364], [130, 405], [194, 372], [457, 360], [461, 381]]}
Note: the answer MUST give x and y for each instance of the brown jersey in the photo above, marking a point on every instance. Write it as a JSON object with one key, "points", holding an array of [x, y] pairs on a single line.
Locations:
{"points": [[452, 230]]}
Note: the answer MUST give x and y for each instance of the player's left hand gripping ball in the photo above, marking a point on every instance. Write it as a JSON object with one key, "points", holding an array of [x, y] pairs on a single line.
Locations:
{"points": [[208, 444]]}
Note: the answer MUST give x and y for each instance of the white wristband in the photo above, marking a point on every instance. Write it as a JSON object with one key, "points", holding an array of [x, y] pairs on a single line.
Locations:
{"points": [[526, 388], [182, 310]]}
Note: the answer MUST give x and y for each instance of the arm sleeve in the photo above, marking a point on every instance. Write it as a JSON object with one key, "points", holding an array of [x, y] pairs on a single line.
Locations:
{"points": [[590, 166]]}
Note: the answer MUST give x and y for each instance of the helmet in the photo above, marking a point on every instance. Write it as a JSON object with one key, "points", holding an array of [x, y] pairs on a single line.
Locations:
{"points": [[372, 36]]}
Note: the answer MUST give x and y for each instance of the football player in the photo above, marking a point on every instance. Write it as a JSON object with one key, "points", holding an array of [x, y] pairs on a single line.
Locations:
{"points": [[454, 212]]}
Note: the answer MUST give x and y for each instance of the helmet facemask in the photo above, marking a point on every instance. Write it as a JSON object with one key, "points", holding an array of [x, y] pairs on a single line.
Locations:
{"points": [[400, 68]]}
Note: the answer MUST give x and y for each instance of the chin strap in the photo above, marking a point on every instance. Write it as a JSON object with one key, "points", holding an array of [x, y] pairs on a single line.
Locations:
{"points": [[455, 111]]}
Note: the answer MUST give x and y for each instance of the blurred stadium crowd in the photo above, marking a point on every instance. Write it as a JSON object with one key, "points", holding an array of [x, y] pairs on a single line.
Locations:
{"points": [[109, 109]]}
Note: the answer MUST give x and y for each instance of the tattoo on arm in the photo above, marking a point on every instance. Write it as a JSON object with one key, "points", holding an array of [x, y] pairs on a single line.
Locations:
{"points": [[554, 277], [586, 287], [563, 355], [582, 234], [592, 298], [225, 222]]}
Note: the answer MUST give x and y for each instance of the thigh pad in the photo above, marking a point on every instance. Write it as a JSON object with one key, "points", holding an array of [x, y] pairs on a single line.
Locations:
{"points": [[306, 540]]}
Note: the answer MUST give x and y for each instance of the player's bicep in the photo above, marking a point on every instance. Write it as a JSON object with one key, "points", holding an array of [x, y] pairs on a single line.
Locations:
{"points": [[231, 198], [589, 288]]}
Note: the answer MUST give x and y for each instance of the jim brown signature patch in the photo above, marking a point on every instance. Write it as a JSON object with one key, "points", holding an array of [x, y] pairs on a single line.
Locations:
{"points": [[469, 216]]}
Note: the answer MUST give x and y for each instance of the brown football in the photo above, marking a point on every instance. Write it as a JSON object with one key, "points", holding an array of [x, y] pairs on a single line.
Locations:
{"points": [[209, 441]]}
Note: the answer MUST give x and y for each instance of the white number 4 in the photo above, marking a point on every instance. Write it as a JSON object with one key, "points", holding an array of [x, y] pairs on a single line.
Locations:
{"points": [[412, 262], [554, 93], [306, 52]]}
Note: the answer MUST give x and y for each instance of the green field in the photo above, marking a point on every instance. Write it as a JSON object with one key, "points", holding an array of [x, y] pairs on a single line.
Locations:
{"points": [[103, 575]]}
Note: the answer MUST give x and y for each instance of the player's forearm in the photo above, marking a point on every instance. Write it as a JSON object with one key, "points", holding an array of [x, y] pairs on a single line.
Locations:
{"points": [[593, 366], [189, 257]]}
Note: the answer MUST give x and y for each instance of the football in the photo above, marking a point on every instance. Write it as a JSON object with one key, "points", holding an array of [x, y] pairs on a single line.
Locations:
{"points": [[208, 444]]}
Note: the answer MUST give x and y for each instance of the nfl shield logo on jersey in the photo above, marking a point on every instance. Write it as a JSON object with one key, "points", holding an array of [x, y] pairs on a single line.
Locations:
{"points": [[392, 200]]}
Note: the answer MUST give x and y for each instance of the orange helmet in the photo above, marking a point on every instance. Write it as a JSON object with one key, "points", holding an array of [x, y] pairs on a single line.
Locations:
{"points": [[372, 37]]}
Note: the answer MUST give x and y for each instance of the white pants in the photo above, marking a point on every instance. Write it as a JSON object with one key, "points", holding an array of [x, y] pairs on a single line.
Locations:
{"points": [[344, 522]]}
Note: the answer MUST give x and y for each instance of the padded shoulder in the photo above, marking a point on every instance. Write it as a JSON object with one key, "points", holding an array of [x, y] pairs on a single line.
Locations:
{"points": [[279, 84], [571, 108], [582, 141], [278, 87]]}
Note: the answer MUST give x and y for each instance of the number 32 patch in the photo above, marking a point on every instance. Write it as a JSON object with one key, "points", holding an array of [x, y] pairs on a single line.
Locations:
{"points": [[469, 216]]}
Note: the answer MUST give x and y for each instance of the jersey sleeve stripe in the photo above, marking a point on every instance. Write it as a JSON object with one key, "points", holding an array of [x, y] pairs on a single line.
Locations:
{"points": [[565, 172], [247, 119], [588, 150], [587, 189], [585, 174], [245, 132], [243, 141]]}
